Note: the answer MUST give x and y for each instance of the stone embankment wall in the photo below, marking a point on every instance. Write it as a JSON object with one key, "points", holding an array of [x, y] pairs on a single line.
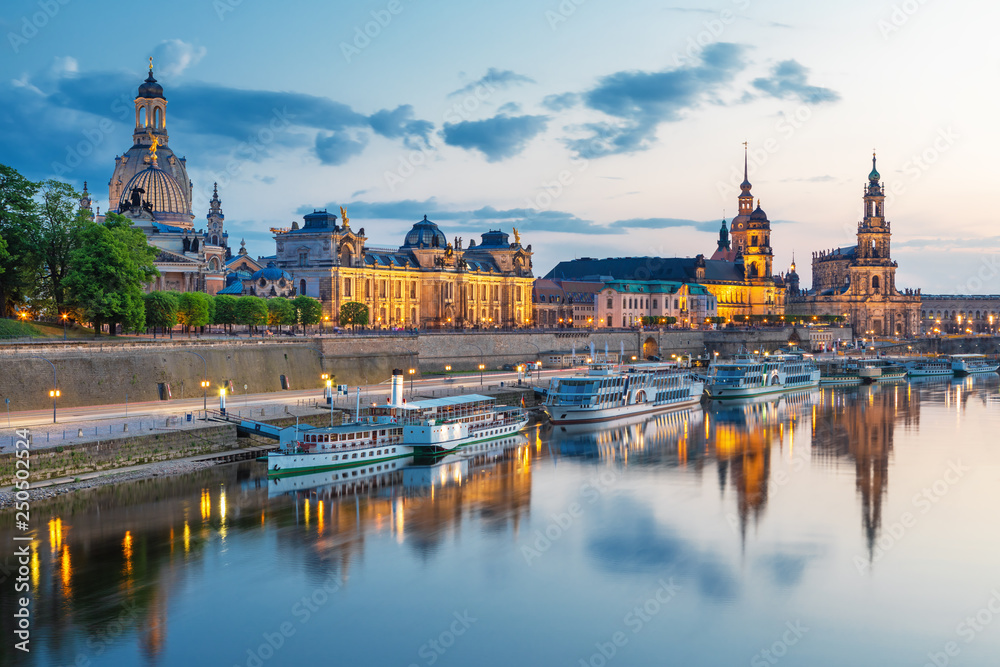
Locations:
{"points": [[103, 373]]}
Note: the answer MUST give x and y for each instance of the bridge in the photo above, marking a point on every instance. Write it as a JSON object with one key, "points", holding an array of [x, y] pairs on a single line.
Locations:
{"points": [[285, 435]]}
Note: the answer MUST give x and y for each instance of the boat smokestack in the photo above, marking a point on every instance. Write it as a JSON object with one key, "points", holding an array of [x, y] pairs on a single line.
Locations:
{"points": [[397, 388]]}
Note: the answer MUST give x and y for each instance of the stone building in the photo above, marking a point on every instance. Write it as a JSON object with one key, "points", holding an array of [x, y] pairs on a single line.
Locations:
{"points": [[565, 304], [950, 313], [859, 282], [150, 186], [624, 303], [425, 282]]}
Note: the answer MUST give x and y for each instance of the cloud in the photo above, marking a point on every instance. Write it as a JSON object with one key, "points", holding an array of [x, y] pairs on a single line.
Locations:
{"points": [[399, 123], [493, 78], [561, 101], [497, 138], [788, 80], [509, 108], [172, 56], [661, 223], [640, 101], [339, 147]]}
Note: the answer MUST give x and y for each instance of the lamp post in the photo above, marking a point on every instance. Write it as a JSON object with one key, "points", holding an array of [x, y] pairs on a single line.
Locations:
{"points": [[222, 400], [412, 371], [64, 316], [54, 393], [329, 394], [481, 367], [204, 380]]}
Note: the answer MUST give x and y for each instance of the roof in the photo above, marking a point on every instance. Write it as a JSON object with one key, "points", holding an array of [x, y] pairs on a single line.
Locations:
{"points": [[235, 288], [397, 260], [678, 269], [271, 272], [157, 187], [653, 286], [838, 254], [446, 401], [164, 228]]}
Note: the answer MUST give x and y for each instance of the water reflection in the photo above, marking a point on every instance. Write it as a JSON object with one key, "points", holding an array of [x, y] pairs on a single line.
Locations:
{"points": [[107, 564]]}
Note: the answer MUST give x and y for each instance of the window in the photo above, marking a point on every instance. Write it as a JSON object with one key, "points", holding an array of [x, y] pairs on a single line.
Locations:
{"points": [[303, 258], [611, 304], [654, 303], [413, 289], [347, 287]]}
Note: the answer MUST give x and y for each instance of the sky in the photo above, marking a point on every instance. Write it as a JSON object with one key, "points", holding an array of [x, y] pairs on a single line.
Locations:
{"points": [[597, 129]]}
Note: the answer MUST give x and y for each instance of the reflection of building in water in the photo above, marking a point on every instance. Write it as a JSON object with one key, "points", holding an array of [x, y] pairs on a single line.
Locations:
{"points": [[643, 440], [858, 425]]}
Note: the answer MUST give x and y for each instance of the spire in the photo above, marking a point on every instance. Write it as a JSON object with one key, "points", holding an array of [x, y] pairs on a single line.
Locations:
{"points": [[745, 185], [874, 177], [793, 261]]}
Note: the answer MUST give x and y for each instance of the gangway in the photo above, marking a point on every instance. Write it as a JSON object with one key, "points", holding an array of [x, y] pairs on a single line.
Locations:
{"points": [[285, 435]]}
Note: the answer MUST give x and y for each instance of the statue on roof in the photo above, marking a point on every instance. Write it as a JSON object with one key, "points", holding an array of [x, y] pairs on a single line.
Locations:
{"points": [[153, 146], [343, 217], [517, 237]]}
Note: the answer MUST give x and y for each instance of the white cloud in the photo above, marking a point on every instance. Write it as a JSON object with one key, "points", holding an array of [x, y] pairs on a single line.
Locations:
{"points": [[172, 56]]}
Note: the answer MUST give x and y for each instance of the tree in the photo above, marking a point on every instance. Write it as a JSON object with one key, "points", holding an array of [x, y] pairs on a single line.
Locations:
{"points": [[59, 217], [280, 311], [354, 313], [161, 310], [251, 311], [310, 310], [19, 230], [225, 310], [193, 310], [108, 271]]}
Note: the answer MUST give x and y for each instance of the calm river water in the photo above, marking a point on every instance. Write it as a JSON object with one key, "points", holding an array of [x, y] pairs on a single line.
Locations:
{"points": [[839, 527]]}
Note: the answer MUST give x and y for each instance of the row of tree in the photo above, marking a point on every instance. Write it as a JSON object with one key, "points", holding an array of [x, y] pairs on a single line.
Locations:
{"points": [[165, 310]]}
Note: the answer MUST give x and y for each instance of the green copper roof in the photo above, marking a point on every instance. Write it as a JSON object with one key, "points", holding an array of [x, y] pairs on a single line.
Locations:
{"points": [[874, 177]]}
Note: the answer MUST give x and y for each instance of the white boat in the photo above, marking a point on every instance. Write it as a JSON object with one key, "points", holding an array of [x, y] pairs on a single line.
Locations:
{"points": [[967, 364], [928, 367], [398, 429], [748, 375], [610, 392]]}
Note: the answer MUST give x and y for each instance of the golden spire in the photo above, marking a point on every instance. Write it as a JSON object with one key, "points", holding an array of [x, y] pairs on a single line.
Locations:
{"points": [[151, 63]]}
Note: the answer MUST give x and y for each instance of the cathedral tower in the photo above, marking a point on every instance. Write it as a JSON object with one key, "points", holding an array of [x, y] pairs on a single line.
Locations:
{"points": [[739, 227], [874, 272]]}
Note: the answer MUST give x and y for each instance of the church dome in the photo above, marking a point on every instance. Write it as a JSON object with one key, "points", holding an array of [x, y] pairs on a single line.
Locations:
{"points": [[271, 273], [149, 87], [425, 234], [158, 188], [758, 214], [874, 176]]}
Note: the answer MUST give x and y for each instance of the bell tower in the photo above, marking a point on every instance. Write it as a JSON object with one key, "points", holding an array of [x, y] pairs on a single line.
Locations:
{"points": [[150, 112], [214, 232], [739, 226], [875, 272]]}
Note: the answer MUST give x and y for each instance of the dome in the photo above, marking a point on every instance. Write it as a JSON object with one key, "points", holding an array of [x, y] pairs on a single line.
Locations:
{"points": [[149, 87], [158, 188], [425, 234], [758, 214], [271, 273], [874, 176]]}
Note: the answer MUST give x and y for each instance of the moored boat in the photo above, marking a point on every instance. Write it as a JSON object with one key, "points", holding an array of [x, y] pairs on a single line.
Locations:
{"points": [[748, 375], [611, 392], [968, 364], [928, 367]]}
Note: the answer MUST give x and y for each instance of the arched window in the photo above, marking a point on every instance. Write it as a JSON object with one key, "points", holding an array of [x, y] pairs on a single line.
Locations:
{"points": [[347, 287], [142, 117], [215, 239], [158, 118], [302, 287], [413, 316], [875, 284]]}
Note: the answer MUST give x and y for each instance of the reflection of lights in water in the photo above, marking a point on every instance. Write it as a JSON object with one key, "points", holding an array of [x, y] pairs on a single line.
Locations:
{"points": [[187, 537], [319, 518], [400, 522], [66, 569], [305, 510], [55, 534], [35, 565], [262, 518], [127, 549], [171, 539], [222, 505], [206, 505]]}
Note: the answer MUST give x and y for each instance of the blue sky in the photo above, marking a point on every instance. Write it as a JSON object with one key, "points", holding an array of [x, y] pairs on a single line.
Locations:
{"points": [[595, 128]]}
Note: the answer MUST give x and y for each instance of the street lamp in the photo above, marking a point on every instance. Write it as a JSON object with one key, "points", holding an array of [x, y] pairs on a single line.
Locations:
{"points": [[481, 367], [329, 394], [64, 316], [222, 400], [54, 393], [204, 393], [447, 369], [412, 371], [204, 381]]}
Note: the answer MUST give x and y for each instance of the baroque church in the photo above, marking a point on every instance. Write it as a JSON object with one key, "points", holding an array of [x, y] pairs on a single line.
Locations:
{"points": [[427, 281], [150, 186], [859, 282]]}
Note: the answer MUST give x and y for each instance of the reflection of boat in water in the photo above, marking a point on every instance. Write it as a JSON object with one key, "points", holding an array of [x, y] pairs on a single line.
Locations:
{"points": [[598, 440], [754, 411], [866, 370], [436, 471], [608, 392], [397, 429], [748, 375], [337, 483]]}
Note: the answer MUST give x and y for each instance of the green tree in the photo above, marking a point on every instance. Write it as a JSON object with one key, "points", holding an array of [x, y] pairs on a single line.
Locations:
{"points": [[251, 311], [225, 310], [19, 229], [161, 310], [280, 311], [59, 218], [354, 313], [310, 310], [108, 270], [193, 310]]}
